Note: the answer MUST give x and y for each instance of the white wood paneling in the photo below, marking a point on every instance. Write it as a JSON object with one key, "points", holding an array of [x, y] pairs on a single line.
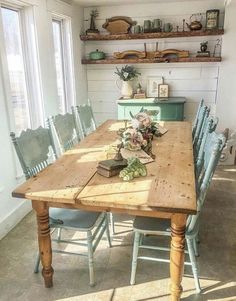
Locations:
{"points": [[194, 81]]}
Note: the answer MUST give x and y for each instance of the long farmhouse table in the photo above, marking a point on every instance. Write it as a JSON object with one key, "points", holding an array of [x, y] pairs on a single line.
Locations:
{"points": [[168, 191]]}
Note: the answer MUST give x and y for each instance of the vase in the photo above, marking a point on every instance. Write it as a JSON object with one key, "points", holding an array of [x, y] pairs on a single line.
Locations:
{"points": [[126, 89]]}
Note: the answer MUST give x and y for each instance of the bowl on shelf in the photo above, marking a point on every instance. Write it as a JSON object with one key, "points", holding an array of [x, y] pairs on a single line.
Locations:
{"points": [[97, 55]]}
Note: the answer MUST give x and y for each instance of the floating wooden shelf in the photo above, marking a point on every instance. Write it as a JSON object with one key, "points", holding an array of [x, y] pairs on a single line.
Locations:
{"points": [[152, 35], [150, 61]]}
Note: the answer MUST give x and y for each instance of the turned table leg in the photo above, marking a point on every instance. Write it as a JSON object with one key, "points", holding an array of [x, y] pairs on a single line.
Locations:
{"points": [[178, 225], [44, 240]]}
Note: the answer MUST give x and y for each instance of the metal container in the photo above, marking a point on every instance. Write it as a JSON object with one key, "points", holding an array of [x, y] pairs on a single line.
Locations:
{"points": [[97, 55]]}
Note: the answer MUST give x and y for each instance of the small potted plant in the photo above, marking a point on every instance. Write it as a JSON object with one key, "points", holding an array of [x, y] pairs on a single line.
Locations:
{"points": [[126, 75]]}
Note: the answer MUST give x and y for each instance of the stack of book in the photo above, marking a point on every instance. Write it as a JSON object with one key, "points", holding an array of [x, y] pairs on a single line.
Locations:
{"points": [[109, 168]]}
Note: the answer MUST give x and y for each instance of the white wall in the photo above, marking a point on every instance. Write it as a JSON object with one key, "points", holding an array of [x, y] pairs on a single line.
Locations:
{"points": [[193, 80], [12, 210], [226, 100]]}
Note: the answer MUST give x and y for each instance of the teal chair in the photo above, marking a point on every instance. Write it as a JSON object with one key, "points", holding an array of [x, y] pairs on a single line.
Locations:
{"points": [[202, 117], [153, 226], [32, 148], [84, 115], [195, 123]]}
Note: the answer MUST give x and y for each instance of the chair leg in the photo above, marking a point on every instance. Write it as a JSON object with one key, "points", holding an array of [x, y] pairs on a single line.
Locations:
{"points": [[194, 264], [36, 267], [135, 257], [112, 223], [195, 247], [108, 231], [58, 234], [90, 258]]}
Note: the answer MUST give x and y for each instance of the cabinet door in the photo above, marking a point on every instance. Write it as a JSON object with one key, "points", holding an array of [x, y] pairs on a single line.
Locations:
{"points": [[152, 110]]}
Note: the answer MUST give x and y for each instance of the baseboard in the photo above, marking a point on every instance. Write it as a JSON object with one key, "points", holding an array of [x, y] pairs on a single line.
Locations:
{"points": [[14, 218]]}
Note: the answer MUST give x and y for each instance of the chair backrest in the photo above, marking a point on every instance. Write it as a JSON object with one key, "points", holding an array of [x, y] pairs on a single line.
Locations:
{"points": [[212, 151], [195, 123], [203, 115], [33, 148], [86, 118], [64, 127], [208, 127]]}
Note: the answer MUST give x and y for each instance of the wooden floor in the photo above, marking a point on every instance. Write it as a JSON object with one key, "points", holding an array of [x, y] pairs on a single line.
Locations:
{"points": [[217, 261]]}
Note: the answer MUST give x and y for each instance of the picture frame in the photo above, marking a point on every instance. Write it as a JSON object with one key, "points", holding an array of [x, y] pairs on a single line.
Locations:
{"points": [[163, 90], [153, 83]]}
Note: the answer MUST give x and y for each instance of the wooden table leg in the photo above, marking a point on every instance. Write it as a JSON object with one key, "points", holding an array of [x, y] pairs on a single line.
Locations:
{"points": [[44, 239], [178, 226]]}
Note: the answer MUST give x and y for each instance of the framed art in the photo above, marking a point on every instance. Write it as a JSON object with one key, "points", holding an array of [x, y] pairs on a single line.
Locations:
{"points": [[153, 83], [163, 90]]}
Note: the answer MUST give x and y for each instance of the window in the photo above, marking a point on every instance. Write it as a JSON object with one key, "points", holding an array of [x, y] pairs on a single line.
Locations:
{"points": [[63, 63], [21, 68], [16, 68]]}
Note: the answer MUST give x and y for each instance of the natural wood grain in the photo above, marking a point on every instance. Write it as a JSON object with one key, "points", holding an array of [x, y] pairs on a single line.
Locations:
{"points": [[64, 179], [169, 186], [44, 239], [153, 60], [154, 35], [178, 226]]}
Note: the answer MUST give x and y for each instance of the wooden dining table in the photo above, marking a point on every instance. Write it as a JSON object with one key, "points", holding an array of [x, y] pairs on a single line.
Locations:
{"points": [[168, 190]]}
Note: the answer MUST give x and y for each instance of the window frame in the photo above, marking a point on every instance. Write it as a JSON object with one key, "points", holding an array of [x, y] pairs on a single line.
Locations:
{"points": [[31, 70], [68, 59]]}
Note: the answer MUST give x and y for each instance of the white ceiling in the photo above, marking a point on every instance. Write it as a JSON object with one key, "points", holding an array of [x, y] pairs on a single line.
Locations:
{"points": [[117, 2]]}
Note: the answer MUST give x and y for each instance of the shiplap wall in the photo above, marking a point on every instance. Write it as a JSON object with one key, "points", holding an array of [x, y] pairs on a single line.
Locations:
{"points": [[192, 80]]}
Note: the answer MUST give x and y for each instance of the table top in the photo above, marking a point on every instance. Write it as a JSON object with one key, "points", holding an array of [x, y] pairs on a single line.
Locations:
{"points": [[152, 100], [72, 179]]}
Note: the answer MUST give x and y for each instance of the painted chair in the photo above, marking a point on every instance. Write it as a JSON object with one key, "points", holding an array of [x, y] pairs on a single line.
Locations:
{"points": [[195, 123], [32, 148], [202, 119], [84, 115], [64, 131], [153, 226]]}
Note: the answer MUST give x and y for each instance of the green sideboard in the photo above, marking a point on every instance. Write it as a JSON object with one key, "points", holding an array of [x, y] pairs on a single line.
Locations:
{"points": [[170, 109]]}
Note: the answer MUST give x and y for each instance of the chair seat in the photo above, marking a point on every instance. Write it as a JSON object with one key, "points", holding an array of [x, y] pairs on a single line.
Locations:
{"points": [[152, 225], [81, 220]]}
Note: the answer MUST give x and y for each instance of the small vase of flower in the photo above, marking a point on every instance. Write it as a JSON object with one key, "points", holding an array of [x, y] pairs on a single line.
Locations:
{"points": [[126, 75]]}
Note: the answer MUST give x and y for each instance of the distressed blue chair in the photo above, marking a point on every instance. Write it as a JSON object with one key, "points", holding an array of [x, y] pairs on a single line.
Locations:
{"points": [[204, 112], [32, 148], [64, 131], [153, 226], [86, 118], [196, 120]]}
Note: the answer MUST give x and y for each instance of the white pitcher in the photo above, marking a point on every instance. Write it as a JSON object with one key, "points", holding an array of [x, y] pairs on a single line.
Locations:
{"points": [[125, 88]]}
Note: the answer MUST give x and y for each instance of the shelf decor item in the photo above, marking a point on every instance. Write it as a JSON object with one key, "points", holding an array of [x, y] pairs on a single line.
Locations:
{"points": [[152, 85], [97, 55], [163, 90], [204, 52], [92, 30], [195, 22], [126, 75], [212, 18], [119, 25]]}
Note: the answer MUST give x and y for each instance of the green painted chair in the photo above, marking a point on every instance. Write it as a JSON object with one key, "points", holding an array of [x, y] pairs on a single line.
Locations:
{"points": [[195, 123], [86, 118], [33, 148], [64, 130], [153, 226], [202, 119]]}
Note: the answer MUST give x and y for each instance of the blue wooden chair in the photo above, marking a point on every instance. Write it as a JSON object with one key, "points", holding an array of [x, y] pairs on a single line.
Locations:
{"points": [[84, 114], [202, 117], [195, 123], [32, 148], [153, 226]]}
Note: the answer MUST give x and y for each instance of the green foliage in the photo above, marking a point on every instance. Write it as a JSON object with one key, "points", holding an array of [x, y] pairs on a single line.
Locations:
{"points": [[134, 169], [127, 73]]}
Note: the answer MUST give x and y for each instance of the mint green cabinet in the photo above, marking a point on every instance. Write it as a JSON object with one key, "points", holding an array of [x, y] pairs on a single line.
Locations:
{"points": [[170, 109]]}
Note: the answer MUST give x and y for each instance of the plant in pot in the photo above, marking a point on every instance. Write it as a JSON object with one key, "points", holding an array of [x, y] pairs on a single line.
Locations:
{"points": [[126, 75]]}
